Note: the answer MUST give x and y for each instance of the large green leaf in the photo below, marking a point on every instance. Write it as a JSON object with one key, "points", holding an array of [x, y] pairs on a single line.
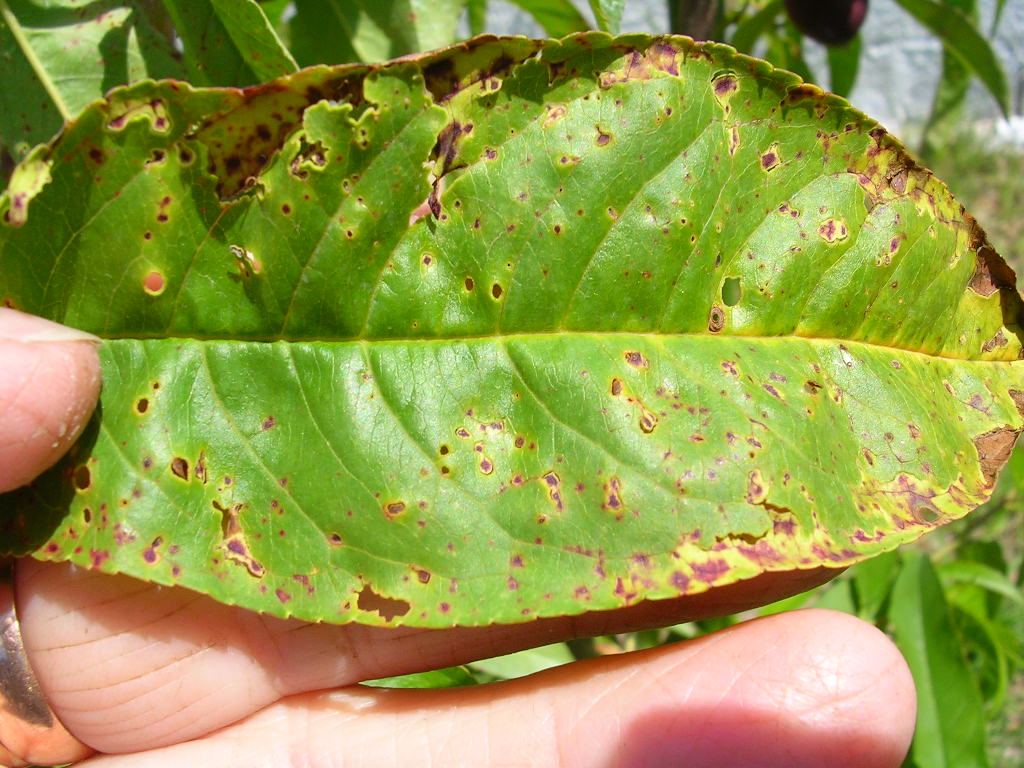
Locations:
{"points": [[228, 42], [515, 329], [950, 716], [62, 55], [557, 18], [341, 31]]}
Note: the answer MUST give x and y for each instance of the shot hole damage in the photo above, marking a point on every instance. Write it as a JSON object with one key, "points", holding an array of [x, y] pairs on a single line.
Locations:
{"points": [[388, 608], [731, 291], [233, 544], [179, 468], [81, 478]]}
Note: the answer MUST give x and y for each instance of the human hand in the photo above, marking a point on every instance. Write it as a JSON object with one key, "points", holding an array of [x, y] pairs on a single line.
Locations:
{"points": [[171, 677]]}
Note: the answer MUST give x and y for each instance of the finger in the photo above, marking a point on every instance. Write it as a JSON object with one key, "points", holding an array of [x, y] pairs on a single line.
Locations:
{"points": [[128, 665], [49, 382], [809, 688]]}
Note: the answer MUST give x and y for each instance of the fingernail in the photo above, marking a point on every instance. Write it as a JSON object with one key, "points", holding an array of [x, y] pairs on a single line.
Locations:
{"points": [[17, 326]]}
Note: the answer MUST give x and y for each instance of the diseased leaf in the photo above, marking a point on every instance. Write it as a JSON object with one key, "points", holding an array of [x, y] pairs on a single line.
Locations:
{"points": [[510, 330], [254, 39]]}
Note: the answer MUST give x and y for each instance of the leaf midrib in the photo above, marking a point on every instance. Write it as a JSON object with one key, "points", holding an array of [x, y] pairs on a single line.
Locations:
{"points": [[500, 338]]}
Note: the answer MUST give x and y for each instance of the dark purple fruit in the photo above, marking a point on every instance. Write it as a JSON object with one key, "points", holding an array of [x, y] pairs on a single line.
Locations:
{"points": [[832, 22]]}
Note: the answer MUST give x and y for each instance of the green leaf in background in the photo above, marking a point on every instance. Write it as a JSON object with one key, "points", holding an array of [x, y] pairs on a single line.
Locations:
{"points": [[608, 14], [753, 26], [344, 31], [228, 42], [872, 581], [510, 330], [950, 715], [557, 18], [962, 39], [450, 677], [476, 13], [524, 663], [981, 575], [786, 50], [843, 65], [953, 84], [64, 55]]}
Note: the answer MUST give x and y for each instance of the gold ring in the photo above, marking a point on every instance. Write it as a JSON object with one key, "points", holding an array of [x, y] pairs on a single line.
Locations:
{"points": [[24, 714]]}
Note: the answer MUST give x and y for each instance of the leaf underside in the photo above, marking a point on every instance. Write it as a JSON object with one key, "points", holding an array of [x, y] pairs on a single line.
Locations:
{"points": [[514, 329]]}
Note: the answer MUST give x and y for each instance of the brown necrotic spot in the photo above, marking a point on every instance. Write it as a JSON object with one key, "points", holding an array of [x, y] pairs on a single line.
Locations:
{"points": [[81, 478], [142, 405], [154, 283], [994, 449], [991, 273], [636, 360], [394, 509], [648, 422], [388, 608], [725, 85], [716, 320], [833, 230], [468, 282], [179, 467], [616, 387], [496, 291], [150, 554]]}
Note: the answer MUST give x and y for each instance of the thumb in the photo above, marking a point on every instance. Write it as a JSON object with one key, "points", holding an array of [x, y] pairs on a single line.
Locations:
{"points": [[49, 383]]}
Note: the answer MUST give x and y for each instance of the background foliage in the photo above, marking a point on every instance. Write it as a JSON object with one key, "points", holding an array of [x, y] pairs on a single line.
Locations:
{"points": [[954, 603]]}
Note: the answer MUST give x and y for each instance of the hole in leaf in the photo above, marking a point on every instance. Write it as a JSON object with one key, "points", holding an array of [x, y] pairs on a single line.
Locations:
{"points": [[731, 291], [82, 478], [387, 607], [179, 467]]}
